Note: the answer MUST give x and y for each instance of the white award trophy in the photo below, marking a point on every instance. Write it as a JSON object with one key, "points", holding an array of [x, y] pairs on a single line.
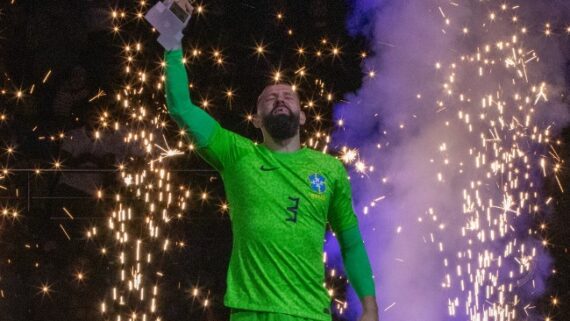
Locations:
{"points": [[169, 19]]}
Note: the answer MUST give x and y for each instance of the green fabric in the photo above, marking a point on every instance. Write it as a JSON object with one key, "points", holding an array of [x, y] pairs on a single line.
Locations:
{"points": [[356, 262], [250, 315], [279, 207], [279, 204], [198, 124]]}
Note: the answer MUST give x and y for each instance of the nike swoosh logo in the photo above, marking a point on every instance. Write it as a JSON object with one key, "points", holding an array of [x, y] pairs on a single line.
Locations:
{"points": [[266, 169]]}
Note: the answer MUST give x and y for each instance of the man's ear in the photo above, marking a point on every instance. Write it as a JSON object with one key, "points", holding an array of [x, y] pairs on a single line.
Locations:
{"points": [[302, 118], [256, 121]]}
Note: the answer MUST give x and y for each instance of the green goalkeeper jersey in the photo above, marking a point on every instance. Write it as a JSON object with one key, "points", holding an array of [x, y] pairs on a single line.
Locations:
{"points": [[279, 205]]}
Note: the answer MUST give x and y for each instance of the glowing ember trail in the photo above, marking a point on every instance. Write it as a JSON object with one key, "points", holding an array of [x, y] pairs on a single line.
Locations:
{"points": [[458, 122]]}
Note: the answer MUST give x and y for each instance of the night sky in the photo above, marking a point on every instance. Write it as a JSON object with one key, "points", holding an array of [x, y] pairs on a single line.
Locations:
{"points": [[62, 66]]}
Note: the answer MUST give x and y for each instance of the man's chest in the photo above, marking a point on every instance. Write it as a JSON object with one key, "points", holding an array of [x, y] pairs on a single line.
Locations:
{"points": [[276, 192]]}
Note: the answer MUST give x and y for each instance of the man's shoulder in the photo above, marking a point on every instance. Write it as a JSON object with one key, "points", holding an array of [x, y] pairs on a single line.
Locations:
{"points": [[223, 132], [325, 158]]}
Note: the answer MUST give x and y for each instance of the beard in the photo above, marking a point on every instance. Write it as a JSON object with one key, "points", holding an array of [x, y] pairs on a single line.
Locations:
{"points": [[281, 126]]}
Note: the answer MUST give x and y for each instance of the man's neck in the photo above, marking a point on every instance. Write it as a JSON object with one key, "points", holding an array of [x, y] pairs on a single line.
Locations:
{"points": [[288, 145]]}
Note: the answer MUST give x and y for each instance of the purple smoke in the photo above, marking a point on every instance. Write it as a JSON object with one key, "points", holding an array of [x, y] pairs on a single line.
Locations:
{"points": [[446, 197]]}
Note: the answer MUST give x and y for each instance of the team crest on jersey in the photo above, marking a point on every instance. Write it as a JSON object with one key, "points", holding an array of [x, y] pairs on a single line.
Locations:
{"points": [[318, 183]]}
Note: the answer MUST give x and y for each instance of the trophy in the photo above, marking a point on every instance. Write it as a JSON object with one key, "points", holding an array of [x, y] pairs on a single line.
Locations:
{"points": [[169, 18]]}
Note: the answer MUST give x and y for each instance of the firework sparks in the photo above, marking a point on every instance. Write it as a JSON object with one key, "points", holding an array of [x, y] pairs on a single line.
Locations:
{"points": [[472, 163]]}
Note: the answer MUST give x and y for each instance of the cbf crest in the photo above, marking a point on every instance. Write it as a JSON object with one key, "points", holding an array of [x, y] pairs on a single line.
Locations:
{"points": [[318, 183]]}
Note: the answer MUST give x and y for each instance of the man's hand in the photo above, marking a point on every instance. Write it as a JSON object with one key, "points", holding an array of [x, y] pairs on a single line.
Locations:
{"points": [[169, 19], [369, 309], [369, 316]]}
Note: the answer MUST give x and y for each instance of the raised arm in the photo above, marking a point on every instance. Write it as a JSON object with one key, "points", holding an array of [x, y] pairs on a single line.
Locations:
{"points": [[197, 123], [221, 148]]}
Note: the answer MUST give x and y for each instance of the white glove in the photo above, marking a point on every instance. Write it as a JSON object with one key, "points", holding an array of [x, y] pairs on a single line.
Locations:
{"points": [[170, 18]]}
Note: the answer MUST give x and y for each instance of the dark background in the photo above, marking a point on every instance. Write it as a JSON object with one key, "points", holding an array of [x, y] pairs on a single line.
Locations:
{"points": [[75, 41]]}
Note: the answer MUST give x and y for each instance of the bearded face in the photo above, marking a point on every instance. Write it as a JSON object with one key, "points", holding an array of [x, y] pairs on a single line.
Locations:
{"points": [[279, 111], [281, 123]]}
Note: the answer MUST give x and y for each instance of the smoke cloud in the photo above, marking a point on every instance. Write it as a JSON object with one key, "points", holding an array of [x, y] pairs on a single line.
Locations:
{"points": [[453, 127]]}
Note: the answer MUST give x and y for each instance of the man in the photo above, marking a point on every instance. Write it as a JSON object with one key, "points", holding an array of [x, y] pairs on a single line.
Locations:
{"points": [[281, 196]]}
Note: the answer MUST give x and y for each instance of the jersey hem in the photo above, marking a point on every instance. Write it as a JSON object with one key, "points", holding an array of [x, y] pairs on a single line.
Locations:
{"points": [[254, 307]]}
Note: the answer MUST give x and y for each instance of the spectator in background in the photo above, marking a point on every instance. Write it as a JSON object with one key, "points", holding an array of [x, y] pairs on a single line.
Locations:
{"points": [[70, 96]]}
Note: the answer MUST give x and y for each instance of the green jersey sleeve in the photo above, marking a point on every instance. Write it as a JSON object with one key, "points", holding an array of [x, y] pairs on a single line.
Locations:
{"points": [[344, 223], [195, 121], [225, 148], [341, 214], [356, 262], [218, 146]]}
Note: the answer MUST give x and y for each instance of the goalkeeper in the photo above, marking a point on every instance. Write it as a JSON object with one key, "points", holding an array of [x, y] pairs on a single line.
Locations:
{"points": [[281, 196]]}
